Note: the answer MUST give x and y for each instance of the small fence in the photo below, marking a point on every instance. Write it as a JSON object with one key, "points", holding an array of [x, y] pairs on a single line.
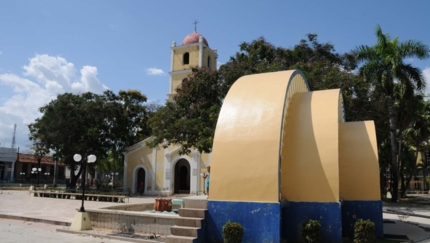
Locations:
{"points": [[78, 196]]}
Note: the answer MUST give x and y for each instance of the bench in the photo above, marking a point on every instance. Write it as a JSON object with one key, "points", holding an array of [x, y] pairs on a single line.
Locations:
{"points": [[78, 196]]}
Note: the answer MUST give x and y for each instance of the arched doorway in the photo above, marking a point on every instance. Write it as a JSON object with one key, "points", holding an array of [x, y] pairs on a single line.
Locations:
{"points": [[140, 178], [182, 177]]}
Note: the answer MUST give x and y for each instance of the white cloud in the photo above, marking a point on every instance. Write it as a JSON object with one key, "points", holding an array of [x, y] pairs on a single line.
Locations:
{"points": [[155, 71], [44, 77], [426, 73], [1, 52]]}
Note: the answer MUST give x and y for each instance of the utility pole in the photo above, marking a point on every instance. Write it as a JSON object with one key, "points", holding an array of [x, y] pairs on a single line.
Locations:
{"points": [[14, 136]]}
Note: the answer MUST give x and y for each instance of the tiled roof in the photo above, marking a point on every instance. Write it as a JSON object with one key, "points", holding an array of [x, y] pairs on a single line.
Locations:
{"points": [[29, 158]]}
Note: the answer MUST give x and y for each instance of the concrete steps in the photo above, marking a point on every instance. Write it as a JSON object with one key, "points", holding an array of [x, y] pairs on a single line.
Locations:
{"points": [[184, 231], [180, 239], [192, 212], [189, 222], [198, 204], [188, 227]]}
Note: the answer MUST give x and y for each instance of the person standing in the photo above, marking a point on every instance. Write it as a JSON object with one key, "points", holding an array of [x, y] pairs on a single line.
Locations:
{"points": [[207, 176], [141, 187]]}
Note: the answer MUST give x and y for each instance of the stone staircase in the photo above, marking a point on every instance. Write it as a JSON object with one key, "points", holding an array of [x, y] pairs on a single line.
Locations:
{"points": [[190, 227]]}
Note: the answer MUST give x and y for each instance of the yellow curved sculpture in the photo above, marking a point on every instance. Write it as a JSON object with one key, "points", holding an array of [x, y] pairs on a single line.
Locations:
{"points": [[249, 129], [277, 140], [310, 157], [359, 167]]}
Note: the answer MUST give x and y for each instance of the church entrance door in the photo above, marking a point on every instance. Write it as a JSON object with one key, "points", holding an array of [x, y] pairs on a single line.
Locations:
{"points": [[182, 177], [140, 178]]}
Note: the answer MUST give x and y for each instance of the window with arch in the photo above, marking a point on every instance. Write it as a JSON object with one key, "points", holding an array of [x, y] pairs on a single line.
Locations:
{"points": [[186, 58], [209, 61]]}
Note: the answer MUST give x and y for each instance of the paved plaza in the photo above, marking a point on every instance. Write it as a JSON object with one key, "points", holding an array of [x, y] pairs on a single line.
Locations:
{"points": [[412, 221], [18, 231]]}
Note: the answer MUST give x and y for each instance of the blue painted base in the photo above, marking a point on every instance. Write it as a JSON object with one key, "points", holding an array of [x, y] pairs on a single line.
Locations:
{"points": [[295, 213], [353, 210], [261, 221]]}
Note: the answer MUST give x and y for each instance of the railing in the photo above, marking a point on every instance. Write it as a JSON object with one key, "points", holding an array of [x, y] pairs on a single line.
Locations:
{"points": [[78, 196]]}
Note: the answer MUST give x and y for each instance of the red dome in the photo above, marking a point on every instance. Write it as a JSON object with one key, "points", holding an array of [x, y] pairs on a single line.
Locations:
{"points": [[193, 38]]}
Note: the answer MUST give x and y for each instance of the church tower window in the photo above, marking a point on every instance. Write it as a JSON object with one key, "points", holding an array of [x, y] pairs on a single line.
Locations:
{"points": [[186, 58], [209, 61]]}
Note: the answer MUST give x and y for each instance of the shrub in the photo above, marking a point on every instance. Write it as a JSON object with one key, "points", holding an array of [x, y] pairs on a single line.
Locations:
{"points": [[364, 231], [232, 232], [311, 230]]}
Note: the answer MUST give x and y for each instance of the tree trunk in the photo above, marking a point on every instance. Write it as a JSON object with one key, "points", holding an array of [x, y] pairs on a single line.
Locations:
{"points": [[402, 181], [74, 177], [393, 128], [424, 171], [55, 173], [401, 164], [408, 183]]}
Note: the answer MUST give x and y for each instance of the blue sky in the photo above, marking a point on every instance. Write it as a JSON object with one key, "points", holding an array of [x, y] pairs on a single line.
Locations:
{"points": [[50, 46]]}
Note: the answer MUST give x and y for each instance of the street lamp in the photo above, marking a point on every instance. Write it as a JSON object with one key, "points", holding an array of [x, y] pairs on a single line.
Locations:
{"points": [[90, 159], [82, 218], [47, 174], [113, 178], [36, 171]]}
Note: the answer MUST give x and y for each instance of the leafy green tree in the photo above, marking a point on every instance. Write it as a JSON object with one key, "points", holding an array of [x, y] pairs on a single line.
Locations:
{"points": [[40, 150], [126, 119], [384, 66], [91, 124], [191, 119], [416, 138]]}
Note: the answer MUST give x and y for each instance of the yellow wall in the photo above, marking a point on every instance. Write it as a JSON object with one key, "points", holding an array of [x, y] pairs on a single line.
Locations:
{"points": [[139, 157], [359, 170], [310, 153], [177, 81], [160, 154], [178, 54], [207, 53], [159, 172], [245, 157]]}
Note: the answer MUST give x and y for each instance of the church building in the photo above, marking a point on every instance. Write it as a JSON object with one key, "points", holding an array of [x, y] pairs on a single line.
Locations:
{"points": [[162, 170]]}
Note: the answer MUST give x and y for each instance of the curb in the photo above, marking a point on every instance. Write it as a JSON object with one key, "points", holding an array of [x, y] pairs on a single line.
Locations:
{"points": [[36, 220], [110, 237], [408, 214]]}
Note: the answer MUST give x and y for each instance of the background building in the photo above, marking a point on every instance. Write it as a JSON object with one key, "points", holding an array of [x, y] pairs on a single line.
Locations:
{"points": [[7, 163], [162, 170], [25, 164]]}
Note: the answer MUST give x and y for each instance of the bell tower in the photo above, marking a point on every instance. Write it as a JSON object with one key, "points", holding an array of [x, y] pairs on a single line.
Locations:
{"points": [[193, 52]]}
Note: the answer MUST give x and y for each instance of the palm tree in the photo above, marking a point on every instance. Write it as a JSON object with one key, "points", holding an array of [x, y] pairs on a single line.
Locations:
{"points": [[384, 66]]}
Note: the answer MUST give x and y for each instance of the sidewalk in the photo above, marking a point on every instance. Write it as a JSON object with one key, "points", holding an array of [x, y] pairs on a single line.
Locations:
{"points": [[412, 222], [21, 204], [410, 219]]}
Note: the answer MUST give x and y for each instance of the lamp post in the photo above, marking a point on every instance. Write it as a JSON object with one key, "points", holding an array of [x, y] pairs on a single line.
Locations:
{"points": [[113, 178], [90, 159], [36, 171], [47, 174], [22, 175]]}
